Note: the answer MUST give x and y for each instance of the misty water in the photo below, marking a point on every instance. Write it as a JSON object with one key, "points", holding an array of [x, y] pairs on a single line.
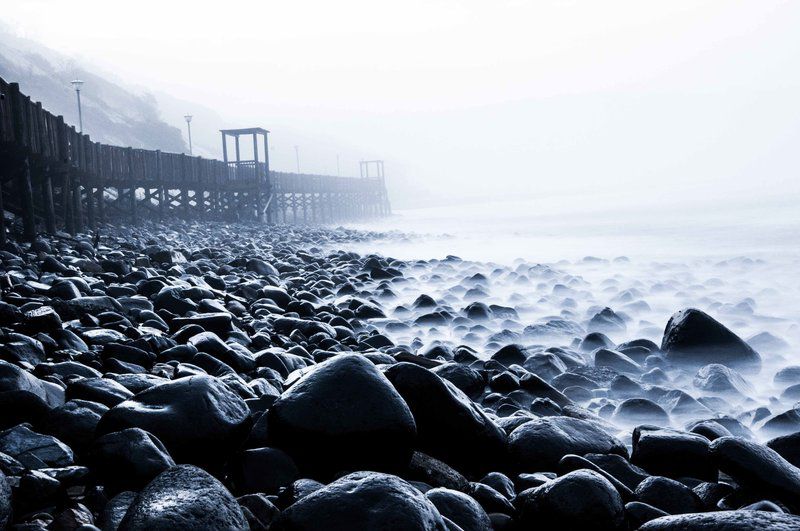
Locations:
{"points": [[565, 259]]}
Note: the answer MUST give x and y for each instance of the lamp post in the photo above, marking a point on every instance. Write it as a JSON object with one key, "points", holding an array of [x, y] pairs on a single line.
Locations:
{"points": [[77, 83], [297, 156], [188, 119]]}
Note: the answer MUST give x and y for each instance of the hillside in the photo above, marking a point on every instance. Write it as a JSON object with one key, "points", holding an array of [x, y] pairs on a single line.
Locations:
{"points": [[111, 113]]}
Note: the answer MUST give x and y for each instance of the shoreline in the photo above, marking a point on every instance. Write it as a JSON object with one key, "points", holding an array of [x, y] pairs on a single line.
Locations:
{"points": [[293, 383]]}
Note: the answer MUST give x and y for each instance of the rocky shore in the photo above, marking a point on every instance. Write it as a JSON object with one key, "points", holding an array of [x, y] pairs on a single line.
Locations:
{"points": [[213, 376]]}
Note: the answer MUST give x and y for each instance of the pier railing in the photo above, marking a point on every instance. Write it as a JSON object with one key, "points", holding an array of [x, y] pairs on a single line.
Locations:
{"points": [[54, 175]]}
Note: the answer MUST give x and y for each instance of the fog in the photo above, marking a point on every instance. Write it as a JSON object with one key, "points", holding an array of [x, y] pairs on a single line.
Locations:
{"points": [[469, 100]]}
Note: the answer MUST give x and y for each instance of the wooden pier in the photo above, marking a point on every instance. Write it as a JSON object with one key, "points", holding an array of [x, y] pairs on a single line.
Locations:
{"points": [[55, 178]]}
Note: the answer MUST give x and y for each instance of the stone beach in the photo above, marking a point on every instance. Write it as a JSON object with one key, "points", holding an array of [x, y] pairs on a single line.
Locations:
{"points": [[238, 376]]}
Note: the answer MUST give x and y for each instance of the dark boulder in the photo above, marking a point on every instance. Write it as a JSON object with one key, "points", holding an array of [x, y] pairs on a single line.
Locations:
{"points": [[128, 459], [343, 415], [198, 418], [725, 521], [264, 470], [363, 500], [757, 467], [461, 509], [694, 338], [539, 445], [668, 495], [579, 500], [672, 453], [450, 426], [184, 497], [33, 449]]}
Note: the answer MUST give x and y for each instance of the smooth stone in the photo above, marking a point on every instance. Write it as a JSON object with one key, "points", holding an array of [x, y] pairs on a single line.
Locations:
{"points": [[668, 495], [461, 509], [725, 521], [450, 426], [694, 338], [129, 459], [184, 497], [363, 500], [343, 415], [579, 500], [672, 453], [198, 418], [758, 467], [33, 449], [265, 470], [539, 445]]}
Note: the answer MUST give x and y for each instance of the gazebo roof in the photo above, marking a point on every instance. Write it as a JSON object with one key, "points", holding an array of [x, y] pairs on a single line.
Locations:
{"points": [[246, 131]]}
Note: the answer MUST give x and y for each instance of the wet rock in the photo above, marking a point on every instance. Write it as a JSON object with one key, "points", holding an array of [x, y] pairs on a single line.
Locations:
{"points": [[579, 500], [759, 468], [461, 509], [129, 459], [184, 497], [450, 426], [616, 360], [540, 444], [640, 411], [264, 470], [343, 415], [198, 418], [74, 422], [5, 502], [363, 500], [717, 378], [100, 390], [673, 453], [788, 446], [638, 513], [34, 450], [694, 338], [668, 495], [725, 520]]}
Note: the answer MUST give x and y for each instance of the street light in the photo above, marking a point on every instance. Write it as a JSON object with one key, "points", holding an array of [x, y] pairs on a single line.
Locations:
{"points": [[77, 83], [188, 119], [297, 156]]}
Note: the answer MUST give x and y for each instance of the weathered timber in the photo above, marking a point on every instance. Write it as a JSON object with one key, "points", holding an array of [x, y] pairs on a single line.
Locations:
{"points": [[80, 183]]}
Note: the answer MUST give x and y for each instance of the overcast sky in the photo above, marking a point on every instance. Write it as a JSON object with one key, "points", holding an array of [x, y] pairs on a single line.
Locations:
{"points": [[470, 98]]}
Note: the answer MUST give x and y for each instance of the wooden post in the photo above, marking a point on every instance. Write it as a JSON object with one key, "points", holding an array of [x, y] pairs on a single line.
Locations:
{"points": [[131, 185], [77, 210], [90, 207], [47, 203], [160, 177], [101, 201], [25, 189], [66, 204], [2, 216]]}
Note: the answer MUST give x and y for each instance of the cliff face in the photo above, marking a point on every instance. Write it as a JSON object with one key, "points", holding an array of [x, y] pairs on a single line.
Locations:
{"points": [[111, 114]]}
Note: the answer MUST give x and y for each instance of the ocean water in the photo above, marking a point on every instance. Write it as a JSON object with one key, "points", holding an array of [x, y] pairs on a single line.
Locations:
{"points": [[567, 258]]}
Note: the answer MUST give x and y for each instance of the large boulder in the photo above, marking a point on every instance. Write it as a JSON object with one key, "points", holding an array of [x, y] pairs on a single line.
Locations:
{"points": [[129, 459], [538, 445], [363, 500], [35, 450], [343, 415], [758, 467], [694, 338], [184, 497], [461, 509], [450, 426], [725, 521], [582, 499], [198, 418]]}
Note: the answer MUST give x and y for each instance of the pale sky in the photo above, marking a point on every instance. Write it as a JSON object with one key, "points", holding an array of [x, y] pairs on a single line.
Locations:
{"points": [[469, 98]]}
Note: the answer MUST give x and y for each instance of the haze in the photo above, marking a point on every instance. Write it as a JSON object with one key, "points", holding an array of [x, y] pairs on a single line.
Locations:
{"points": [[469, 100]]}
